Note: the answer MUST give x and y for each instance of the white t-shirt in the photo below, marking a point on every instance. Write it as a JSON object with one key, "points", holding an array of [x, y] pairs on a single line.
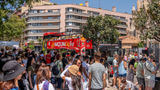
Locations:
{"points": [[67, 79], [50, 87]]}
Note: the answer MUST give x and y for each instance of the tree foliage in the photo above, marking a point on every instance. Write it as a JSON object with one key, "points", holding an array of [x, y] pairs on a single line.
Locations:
{"points": [[31, 45], [100, 29], [11, 25], [12, 28], [147, 21]]}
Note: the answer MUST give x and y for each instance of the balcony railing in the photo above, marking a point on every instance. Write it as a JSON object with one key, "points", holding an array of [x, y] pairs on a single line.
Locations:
{"points": [[44, 14], [33, 34], [42, 27], [122, 31], [72, 27], [76, 20], [29, 40], [43, 21], [122, 20], [78, 14], [121, 26]]}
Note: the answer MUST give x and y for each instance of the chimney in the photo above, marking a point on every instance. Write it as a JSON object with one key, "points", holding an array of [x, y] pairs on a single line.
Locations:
{"points": [[113, 9], [86, 4]]}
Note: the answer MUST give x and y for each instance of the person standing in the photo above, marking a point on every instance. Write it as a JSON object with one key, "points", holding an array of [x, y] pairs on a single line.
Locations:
{"points": [[42, 79], [149, 74], [121, 70], [64, 60], [60, 69], [115, 70], [73, 79], [48, 57], [140, 74], [97, 76]]}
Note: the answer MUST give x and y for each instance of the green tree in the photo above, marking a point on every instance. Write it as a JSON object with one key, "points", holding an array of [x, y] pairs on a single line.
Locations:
{"points": [[147, 21], [7, 17], [12, 28], [31, 45], [100, 29]]}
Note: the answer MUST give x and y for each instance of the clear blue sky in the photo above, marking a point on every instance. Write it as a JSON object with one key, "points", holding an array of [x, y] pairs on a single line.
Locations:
{"points": [[121, 5]]}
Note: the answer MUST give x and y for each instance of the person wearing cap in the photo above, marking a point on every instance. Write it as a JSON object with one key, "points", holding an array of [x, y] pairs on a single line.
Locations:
{"points": [[12, 73], [73, 80]]}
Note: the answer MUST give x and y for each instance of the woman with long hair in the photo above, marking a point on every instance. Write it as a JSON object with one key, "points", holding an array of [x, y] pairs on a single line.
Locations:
{"points": [[73, 80], [121, 70], [78, 63], [43, 78]]}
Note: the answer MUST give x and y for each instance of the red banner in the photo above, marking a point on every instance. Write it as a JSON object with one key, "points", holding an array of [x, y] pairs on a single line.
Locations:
{"points": [[75, 44], [67, 44]]}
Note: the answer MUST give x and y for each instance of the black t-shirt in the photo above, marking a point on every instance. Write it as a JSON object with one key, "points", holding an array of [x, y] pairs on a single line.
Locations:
{"points": [[65, 62]]}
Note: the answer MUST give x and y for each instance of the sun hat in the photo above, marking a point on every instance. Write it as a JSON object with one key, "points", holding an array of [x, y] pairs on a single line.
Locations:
{"points": [[73, 69], [11, 70]]}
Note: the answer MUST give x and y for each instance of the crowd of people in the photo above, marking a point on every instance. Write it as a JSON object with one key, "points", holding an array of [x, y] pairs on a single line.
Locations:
{"points": [[27, 70], [142, 67]]}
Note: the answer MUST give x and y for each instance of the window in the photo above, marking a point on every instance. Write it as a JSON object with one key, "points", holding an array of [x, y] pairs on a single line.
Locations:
{"points": [[35, 24], [35, 11], [41, 11], [70, 9], [70, 23], [123, 18], [50, 24], [50, 11], [50, 17]]}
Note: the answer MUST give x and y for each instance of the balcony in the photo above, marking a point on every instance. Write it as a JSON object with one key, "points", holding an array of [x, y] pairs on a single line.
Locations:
{"points": [[43, 21], [33, 34], [72, 27], [76, 20], [78, 14], [29, 40], [44, 14], [42, 27], [122, 31], [121, 26], [122, 20]]}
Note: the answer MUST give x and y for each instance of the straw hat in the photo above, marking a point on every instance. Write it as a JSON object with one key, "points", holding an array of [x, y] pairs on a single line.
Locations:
{"points": [[73, 69]]}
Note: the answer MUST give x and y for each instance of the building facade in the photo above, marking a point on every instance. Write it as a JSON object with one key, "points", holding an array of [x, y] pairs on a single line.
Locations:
{"points": [[47, 17]]}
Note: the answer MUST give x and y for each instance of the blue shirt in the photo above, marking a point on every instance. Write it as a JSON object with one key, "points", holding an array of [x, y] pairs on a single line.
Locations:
{"points": [[121, 69], [16, 88]]}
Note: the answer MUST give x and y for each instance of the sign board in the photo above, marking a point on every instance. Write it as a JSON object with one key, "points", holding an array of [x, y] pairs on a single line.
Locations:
{"points": [[74, 44]]}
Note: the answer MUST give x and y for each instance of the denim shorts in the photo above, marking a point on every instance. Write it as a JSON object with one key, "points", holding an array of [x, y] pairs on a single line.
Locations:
{"points": [[115, 74], [122, 75]]}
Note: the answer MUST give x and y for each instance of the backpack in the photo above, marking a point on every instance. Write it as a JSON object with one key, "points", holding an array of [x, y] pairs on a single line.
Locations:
{"points": [[55, 69], [46, 85]]}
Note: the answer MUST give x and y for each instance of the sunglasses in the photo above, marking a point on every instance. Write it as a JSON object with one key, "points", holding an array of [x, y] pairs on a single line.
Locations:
{"points": [[79, 63]]}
